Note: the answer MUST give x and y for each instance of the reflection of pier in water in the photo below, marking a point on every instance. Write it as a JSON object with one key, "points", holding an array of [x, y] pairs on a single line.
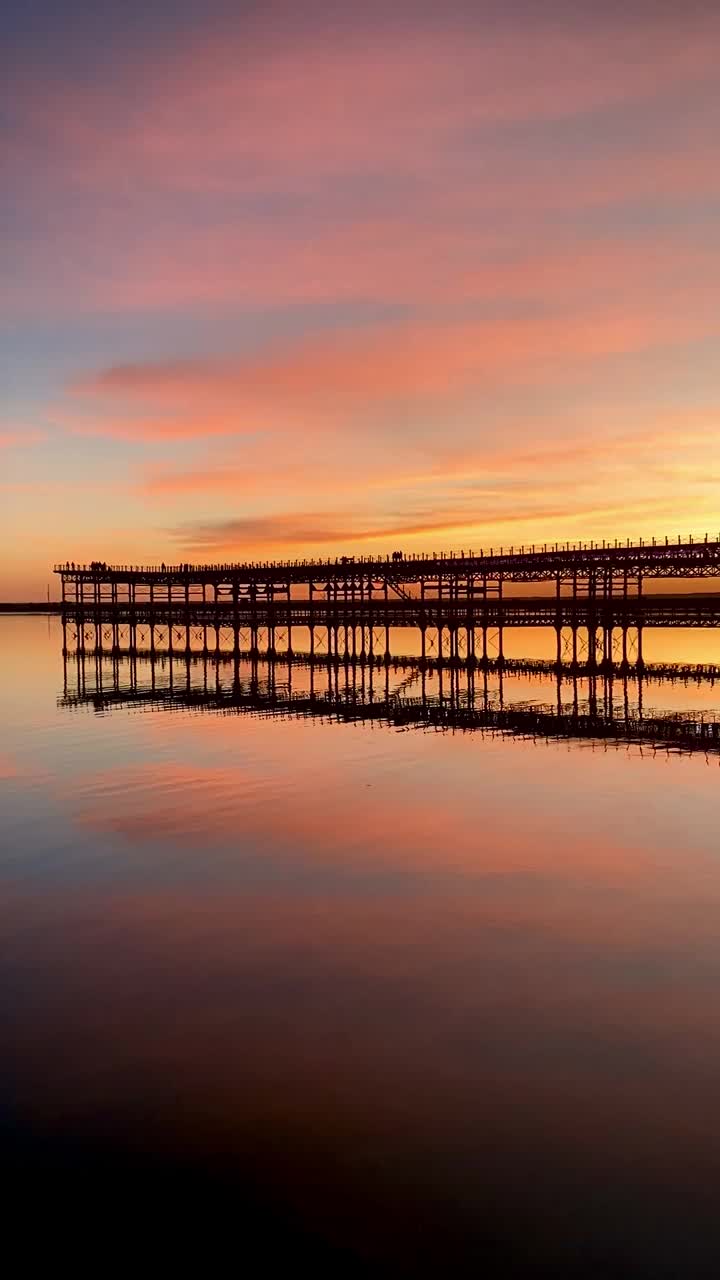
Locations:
{"points": [[602, 701]]}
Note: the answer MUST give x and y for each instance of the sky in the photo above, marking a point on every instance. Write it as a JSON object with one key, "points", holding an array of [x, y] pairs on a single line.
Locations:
{"points": [[292, 279]]}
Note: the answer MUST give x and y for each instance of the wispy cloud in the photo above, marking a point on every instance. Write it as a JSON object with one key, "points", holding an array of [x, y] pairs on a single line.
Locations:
{"points": [[21, 438], [389, 161], [341, 380]]}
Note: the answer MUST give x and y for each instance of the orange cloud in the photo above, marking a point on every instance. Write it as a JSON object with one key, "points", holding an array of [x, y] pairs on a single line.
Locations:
{"points": [[597, 469], [539, 509], [294, 528]]}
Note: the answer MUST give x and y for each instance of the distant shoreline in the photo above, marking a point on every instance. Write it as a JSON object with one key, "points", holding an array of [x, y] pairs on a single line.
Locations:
{"points": [[30, 606]]}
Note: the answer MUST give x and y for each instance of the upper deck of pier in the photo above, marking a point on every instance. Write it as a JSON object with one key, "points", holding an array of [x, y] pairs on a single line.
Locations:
{"points": [[545, 562]]}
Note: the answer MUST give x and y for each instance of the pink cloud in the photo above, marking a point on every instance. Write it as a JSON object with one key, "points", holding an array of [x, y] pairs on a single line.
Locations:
{"points": [[468, 242], [316, 381], [389, 147], [20, 438], [9, 767], [220, 108], [151, 427]]}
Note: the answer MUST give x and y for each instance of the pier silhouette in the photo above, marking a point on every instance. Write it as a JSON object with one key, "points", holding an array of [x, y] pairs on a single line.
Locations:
{"points": [[588, 594], [588, 571], [319, 638]]}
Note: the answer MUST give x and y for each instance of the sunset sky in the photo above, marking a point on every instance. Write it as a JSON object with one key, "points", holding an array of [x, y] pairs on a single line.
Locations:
{"points": [[292, 278]]}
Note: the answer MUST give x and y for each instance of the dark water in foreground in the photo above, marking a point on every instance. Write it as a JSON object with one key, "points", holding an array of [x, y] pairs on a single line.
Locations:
{"points": [[381, 1000]]}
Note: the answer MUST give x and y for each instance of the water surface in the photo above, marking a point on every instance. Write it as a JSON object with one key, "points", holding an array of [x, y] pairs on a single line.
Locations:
{"points": [[393, 999]]}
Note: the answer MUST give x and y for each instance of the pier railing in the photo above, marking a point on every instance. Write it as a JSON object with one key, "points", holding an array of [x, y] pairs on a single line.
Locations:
{"points": [[454, 557]]}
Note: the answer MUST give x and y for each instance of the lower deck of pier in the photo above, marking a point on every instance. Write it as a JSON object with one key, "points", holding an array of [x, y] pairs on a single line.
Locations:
{"points": [[599, 636]]}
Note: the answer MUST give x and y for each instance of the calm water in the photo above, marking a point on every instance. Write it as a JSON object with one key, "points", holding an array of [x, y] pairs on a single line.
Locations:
{"points": [[395, 1000]]}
